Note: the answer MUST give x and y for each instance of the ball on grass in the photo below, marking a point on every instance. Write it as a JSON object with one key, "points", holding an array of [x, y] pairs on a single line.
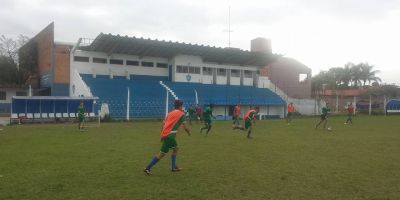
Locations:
{"points": [[329, 129]]}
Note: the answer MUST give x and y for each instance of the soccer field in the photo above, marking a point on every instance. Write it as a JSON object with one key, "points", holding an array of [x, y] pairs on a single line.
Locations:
{"points": [[360, 161]]}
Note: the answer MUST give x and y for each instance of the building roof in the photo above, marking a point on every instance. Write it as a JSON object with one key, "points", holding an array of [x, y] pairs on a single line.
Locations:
{"points": [[115, 44]]}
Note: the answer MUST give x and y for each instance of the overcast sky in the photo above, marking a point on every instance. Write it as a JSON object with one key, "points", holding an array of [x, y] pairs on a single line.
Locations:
{"points": [[319, 33]]}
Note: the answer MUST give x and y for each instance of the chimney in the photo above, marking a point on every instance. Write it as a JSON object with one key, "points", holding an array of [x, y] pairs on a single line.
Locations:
{"points": [[261, 45]]}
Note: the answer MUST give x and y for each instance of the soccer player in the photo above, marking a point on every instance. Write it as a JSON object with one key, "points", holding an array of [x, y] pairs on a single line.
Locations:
{"points": [[324, 116], [236, 116], [173, 121], [350, 111], [249, 117], [198, 112], [207, 115], [290, 112], [81, 116], [192, 113]]}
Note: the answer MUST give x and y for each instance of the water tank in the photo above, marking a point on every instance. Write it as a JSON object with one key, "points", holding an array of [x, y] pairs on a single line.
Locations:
{"points": [[261, 45]]}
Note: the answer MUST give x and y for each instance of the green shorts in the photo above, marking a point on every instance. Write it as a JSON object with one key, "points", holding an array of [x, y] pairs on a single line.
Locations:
{"points": [[81, 119], [168, 142], [247, 123], [207, 121], [324, 117]]}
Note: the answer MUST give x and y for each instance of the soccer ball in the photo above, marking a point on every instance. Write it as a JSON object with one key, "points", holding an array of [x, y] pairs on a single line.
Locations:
{"points": [[329, 129]]}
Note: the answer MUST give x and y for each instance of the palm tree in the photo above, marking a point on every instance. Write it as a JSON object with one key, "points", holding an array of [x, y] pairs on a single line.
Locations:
{"points": [[356, 74], [367, 74]]}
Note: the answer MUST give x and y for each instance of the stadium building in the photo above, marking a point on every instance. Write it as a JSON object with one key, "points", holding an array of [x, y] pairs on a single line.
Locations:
{"points": [[134, 77]]}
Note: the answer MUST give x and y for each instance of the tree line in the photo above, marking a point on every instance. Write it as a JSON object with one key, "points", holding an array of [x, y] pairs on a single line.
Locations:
{"points": [[349, 76]]}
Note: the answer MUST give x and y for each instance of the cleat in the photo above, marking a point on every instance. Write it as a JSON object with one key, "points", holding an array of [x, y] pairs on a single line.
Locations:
{"points": [[176, 169], [148, 172]]}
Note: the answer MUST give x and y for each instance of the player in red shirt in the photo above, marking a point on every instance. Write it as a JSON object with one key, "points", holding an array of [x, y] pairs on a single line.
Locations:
{"points": [[350, 111]]}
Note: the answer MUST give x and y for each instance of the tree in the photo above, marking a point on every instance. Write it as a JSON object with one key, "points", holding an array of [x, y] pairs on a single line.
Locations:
{"points": [[368, 74], [9, 47], [10, 71]]}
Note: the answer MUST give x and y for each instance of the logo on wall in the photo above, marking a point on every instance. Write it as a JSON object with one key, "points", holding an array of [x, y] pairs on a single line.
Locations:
{"points": [[188, 77]]}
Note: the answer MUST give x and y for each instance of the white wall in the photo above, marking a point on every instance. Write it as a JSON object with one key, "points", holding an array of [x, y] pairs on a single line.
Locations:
{"points": [[187, 60], [263, 82], [277, 110], [235, 81], [219, 110], [248, 81], [78, 87], [10, 92], [207, 79], [118, 70], [222, 80]]}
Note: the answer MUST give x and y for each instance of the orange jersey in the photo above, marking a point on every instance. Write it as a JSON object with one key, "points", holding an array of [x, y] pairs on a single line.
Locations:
{"points": [[172, 122], [250, 114], [290, 108]]}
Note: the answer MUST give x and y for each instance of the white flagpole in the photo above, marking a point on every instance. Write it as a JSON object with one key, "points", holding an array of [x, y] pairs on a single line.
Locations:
{"points": [[127, 106], [197, 97], [166, 104]]}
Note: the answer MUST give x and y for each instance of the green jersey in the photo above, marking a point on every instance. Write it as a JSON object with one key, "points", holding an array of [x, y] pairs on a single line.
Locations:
{"points": [[81, 111], [207, 114], [325, 110]]}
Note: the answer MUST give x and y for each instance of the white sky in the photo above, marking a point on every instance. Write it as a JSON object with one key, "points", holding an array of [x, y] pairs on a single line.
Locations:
{"points": [[319, 33]]}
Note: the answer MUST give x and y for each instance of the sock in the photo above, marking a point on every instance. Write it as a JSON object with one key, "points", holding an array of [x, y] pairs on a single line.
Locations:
{"points": [[209, 128], [248, 133], [173, 161], [152, 163]]}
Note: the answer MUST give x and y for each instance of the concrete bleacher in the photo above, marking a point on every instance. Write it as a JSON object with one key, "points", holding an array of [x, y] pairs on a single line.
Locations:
{"points": [[148, 96], [225, 94]]}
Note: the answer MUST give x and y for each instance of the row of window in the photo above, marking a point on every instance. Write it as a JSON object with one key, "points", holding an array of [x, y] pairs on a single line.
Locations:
{"points": [[120, 62], [187, 69], [209, 71]]}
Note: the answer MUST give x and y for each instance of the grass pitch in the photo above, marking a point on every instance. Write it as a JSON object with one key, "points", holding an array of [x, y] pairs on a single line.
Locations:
{"points": [[360, 161]]}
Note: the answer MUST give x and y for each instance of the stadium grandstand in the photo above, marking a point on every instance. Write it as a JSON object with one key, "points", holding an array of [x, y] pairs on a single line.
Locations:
{"points": [[137, 77]]}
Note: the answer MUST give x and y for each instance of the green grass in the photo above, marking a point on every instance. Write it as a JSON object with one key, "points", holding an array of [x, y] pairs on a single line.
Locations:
{"points": [[56, 161]]}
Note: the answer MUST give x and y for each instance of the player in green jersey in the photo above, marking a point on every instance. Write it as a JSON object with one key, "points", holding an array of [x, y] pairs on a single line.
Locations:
{"points": [[207, 116], [324, 116], [81, 116]]}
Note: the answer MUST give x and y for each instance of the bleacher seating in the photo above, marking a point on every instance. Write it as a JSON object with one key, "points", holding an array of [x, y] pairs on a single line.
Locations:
{"points": [[147, 95], [224, 94]]}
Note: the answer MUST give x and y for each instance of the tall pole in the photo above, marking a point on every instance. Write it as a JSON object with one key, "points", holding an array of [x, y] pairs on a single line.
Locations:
{"points": [[355, 105], [370, 107], [127, 105], [384, 104], [166, 104]]}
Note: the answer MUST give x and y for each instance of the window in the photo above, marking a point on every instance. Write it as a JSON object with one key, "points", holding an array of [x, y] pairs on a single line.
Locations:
{"points": [[248, 74], [116, 61], [303, 78], [207, 71], [3, 95], [147, 64], [185, 69], [132, 62], [235, 73], [221, 72], [162, 65], [179, 69], [81, 59], [20, 93], [99, 60]]}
